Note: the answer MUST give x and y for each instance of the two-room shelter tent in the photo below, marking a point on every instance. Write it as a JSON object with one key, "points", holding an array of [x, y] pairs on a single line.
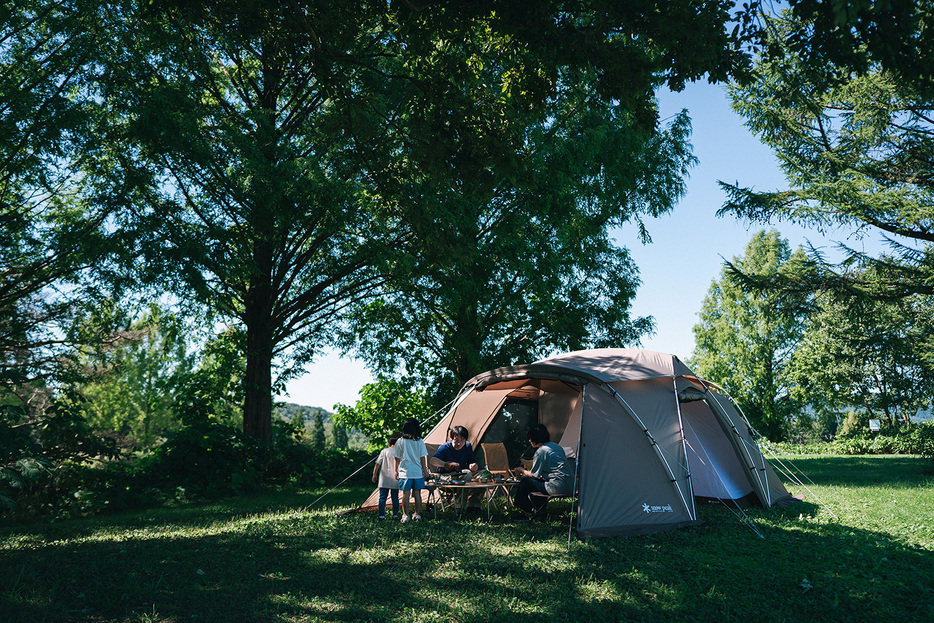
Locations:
{"points": [[649, 437]]}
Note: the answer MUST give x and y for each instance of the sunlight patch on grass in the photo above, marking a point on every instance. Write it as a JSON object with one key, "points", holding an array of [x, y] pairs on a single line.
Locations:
{"points": [[598, 590]]}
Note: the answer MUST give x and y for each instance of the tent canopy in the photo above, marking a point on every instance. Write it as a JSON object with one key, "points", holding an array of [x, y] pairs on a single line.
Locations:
{"points": [[649, 436]]}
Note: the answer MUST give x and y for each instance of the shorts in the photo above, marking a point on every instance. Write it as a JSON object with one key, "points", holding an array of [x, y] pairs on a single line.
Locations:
{"points": [[407, 484]]}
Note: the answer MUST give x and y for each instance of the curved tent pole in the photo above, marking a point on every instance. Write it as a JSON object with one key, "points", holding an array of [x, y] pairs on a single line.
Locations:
{"points": [[758, 469], [745, 518], [661, 453], [684, 443], [577, 466], [791, 476]]}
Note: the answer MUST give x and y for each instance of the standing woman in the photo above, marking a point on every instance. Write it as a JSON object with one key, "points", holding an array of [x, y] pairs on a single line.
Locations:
{"points": [[411, 458], [550, 471]]}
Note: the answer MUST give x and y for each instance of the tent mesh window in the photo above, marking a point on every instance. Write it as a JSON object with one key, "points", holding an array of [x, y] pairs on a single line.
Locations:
{"points": [[509, 428]]}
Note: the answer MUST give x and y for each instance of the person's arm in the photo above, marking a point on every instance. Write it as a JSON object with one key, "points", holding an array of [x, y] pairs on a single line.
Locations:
{"points": [[376, 469], [425, 471], [396, 467], [436, 462], [537, 461], [440, 459]]}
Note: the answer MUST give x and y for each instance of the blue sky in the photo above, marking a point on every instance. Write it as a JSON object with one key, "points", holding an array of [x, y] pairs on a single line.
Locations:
{"points": [[687, 250]]}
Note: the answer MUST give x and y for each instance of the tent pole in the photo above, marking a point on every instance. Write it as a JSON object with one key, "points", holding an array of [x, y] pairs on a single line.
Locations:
{"points": [[577, 467], [658, 450], [684, 445], [760, 469]]}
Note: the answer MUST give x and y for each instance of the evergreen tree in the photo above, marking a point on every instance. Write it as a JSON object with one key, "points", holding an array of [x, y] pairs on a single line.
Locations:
{"points": [[339, 433], [857, 152], [317, 431]]}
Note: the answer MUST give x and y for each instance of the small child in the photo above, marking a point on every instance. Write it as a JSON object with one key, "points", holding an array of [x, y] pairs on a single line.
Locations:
{"points": [[384, 473], [411, 457]]}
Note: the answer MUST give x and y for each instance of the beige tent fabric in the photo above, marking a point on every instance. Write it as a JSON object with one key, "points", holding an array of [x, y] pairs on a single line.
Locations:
{"points": [[620, 364], [473, 413]]}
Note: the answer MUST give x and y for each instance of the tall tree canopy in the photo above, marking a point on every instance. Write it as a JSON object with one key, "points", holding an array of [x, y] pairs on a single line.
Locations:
{"points": [[49, 235], [835, 38], [744, 340], [857, 149], [260, 148], [513, 272]]}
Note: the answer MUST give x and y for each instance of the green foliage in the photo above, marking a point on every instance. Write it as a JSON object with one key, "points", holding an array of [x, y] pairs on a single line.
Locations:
{"points": [[745, 339], [339, 434], [525, 266], [206, 460], [249, 159], [133, 386], [838, 38], [842, 99], [382, 409], [865, 354], [50, 237], [856, 149], [42, 454], [918, 440]]}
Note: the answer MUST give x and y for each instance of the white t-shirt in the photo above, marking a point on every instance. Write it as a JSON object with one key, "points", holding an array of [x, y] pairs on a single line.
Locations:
{"points": [[387, 469], [410, 453]]}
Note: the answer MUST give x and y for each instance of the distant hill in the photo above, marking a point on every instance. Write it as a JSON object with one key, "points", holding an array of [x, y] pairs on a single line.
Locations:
{"points": [[287, 410]]}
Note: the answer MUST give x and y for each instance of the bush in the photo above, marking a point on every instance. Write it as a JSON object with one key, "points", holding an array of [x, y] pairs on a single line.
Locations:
{"points": [[298, 464], [205, 461], [45, 454]]}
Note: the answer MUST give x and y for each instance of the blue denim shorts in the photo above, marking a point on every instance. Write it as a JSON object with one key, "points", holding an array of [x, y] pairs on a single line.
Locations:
{"points": [[407, 484]]}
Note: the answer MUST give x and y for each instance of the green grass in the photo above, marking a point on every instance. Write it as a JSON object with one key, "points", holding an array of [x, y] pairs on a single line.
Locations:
{"points": [[263, 559]]}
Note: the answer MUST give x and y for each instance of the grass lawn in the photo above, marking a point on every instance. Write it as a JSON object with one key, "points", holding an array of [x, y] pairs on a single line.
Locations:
{"points": [[263, 559]]}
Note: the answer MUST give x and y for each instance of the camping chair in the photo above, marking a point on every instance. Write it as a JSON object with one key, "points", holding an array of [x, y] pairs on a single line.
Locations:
{"points": [[540, 500], [497, 463], [496, 459], [434, 496]]}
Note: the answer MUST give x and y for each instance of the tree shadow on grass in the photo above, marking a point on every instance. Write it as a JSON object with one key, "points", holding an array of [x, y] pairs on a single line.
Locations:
{"points": [[298, 567]]}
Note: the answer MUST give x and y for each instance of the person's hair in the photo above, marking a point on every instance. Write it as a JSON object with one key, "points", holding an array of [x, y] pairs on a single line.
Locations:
{"points": [[459, 431], [539, 434], [411, 429], [393, 439]]}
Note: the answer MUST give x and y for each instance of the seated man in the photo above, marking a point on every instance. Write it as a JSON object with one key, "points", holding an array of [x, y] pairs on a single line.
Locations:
{"points": [[550, 474], [457, 455]]}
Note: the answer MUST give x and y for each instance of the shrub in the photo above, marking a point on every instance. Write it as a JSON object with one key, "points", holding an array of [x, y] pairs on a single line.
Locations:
{"points": [[205, 460]]}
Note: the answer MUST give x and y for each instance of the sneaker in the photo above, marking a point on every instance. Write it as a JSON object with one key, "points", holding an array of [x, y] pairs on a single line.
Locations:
{"points": [[381, 517], [416, 517], [405, 519]]}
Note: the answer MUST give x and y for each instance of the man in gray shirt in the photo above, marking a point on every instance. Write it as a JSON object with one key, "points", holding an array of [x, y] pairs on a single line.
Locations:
{"points": [[551, 473]]}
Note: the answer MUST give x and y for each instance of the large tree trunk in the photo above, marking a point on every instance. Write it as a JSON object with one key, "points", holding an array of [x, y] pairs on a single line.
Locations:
{"points": [[257, 389], [257, 399]]}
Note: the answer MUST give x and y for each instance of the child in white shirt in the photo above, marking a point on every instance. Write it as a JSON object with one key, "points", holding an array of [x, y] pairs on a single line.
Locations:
{"points": [[384, 473], [411, 466]]}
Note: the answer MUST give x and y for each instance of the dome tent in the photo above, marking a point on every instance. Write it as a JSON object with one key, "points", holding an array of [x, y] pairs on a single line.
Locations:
{"points": [[648, 435]]}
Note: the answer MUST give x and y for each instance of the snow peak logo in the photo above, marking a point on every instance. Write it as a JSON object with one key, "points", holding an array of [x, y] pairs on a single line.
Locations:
{"points": [[657, 509]]}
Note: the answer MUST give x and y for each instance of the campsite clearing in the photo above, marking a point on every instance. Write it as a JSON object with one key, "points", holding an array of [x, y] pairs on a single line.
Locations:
{"points": [[262, 559]]}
